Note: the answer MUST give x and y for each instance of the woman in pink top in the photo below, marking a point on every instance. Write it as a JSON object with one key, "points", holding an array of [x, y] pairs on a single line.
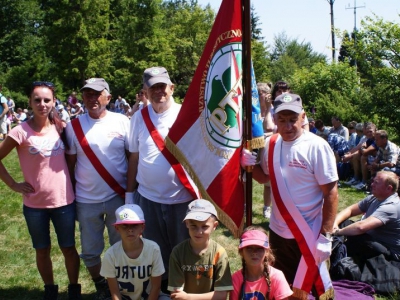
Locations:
{"points": [[258, 279], [47, 190]]}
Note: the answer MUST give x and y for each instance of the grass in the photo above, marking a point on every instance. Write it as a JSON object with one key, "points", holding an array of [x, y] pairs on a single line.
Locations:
{"points": [[19, 276]]}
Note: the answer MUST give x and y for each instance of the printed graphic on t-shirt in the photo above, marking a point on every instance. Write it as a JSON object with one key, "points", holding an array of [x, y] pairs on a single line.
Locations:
{"points": [[47, 147], [199, 270], [298, 164], [255, 295], [131, 273]]}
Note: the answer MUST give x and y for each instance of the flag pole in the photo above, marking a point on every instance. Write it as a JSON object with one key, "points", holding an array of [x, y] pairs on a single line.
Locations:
{"points": [[246, 61]]}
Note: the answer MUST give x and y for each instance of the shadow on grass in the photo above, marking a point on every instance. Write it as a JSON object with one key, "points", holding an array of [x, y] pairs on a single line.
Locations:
{"points": [[21, 293], [225, 232]]}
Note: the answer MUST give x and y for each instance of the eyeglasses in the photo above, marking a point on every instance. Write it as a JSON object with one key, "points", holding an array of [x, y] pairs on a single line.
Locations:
{"points": [[43, 83]]}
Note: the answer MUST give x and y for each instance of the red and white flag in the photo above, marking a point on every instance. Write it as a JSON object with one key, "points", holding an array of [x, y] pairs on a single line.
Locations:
{"points": [[207, 135]]}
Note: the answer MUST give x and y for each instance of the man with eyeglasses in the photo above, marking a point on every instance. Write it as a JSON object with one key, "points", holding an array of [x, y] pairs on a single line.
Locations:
{"points": [[153, 183], [97, 161]]}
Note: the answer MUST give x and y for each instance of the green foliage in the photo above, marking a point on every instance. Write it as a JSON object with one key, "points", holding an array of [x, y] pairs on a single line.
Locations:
{"points": [[256, 32], [189, 27], [67, 41], [76, 35], [377, 52], [332, 89], [261, 61], [288, 55]]}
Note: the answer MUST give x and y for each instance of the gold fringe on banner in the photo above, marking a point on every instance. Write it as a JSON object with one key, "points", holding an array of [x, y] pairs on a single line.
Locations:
{"points": [[299, 294], [257, 143], [303, 295], [328, 295], [222, 216]]}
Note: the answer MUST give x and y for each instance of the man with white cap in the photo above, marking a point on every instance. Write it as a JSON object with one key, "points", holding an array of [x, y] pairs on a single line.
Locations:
{"points": [[133, 266], [160, 191], [63, 113], [97, 161], [302, 169]]}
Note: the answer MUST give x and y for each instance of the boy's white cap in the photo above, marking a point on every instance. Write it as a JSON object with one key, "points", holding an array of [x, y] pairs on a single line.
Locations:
{"points": [[200, 210], [129, 214]]}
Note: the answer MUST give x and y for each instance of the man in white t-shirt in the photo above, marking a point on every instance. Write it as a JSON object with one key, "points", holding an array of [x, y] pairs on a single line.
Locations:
{"points": [[159, 192], [10, 104], [118, 102], [99, 184], [303, 179], [19, 116], [3, 114]]}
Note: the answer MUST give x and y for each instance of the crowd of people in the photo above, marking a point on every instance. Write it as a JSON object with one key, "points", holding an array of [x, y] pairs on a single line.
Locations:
{"points": [[113, 172], [68, 110]]}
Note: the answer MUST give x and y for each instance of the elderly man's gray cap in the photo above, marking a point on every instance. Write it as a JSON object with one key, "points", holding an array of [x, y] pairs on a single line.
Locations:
{"points": [[154, 75], [97, 84], [288, 101]]}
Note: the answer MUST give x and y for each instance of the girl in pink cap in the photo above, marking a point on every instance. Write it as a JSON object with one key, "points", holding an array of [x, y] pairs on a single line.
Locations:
{"points": [[258, 279]]}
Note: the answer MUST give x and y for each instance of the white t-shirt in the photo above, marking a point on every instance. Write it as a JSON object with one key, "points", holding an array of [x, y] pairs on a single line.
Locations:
{"points": [[118, 102], [306, 163], [108, 138], [133, 275], [64, 116], [157, 180], [21, 117]]}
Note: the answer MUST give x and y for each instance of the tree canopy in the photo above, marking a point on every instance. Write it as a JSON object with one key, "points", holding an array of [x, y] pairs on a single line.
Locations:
{"points": [[68, 41]]}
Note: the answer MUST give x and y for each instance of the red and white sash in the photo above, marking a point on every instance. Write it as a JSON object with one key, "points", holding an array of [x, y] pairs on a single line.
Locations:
{"points": [[308, 273], [159, 141], [103, 172]]}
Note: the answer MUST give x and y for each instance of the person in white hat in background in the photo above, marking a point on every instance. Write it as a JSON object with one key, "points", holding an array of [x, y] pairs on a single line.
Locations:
{"points": [[63, 113], [134, 261]]}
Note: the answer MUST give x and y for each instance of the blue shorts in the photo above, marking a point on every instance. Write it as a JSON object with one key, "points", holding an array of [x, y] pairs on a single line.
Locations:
{"points": [[93, 218], [63, 219], [164, 225]]}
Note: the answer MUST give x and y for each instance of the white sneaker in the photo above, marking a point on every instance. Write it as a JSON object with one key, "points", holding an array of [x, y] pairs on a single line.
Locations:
{"points": [[359, 186], [267, 212], [352, 181]]}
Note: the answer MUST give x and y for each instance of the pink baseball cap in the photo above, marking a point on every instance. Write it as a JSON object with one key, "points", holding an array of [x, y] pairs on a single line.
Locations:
{"points": [[254, 238]]}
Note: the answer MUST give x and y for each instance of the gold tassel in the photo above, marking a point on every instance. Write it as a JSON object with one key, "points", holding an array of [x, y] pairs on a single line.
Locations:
{"points": [[257, 143], [328, 295], [299, 294]]}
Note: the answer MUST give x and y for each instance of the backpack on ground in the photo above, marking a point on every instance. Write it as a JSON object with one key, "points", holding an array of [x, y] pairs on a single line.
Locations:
{"points": [[346, 268]]}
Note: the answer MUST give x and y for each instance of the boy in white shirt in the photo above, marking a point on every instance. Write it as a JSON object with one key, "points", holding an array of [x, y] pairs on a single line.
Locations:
{"points": [[133, 266]]}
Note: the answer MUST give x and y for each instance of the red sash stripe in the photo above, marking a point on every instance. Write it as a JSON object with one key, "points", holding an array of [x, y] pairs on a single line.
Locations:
{"points": [[159, 141], [107, 177], [312, 277]]}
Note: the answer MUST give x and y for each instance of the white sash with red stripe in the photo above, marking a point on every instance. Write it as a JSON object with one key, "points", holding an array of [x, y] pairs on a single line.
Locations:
{"points": [[159, 142], [308, 273]]}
